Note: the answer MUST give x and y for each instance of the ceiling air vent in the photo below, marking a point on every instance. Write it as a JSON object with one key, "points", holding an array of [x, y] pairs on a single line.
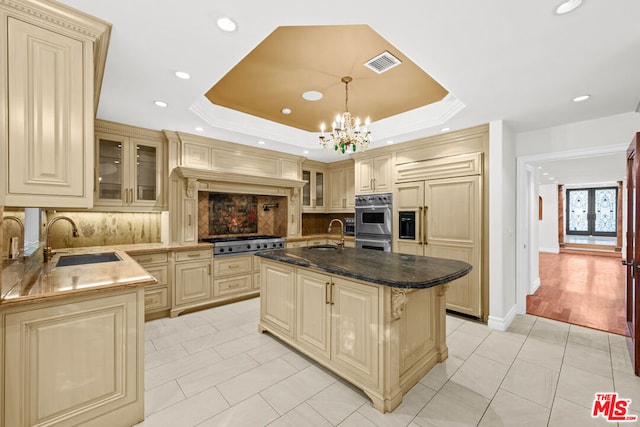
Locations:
{"points": [[383, 62]]}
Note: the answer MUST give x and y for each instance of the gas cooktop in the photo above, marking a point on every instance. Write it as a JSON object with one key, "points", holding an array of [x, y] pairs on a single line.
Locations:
{"points": [[243, 244], [238, 238]]}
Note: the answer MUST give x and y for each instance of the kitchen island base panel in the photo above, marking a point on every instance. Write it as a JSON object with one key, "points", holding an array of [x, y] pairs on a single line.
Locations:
{"points": [[407, 333]]}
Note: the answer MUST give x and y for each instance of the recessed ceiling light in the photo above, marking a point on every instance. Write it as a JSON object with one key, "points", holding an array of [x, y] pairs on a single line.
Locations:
{"points": [[286, 111], [199, 129], [182, 75], [160, 103], [390, 141], [568, 6], [545, 173], [305, 152], [581, 98], [551, 178], [312, 95], [226, 24], [261, 142], [445, 129], [539, 167]]}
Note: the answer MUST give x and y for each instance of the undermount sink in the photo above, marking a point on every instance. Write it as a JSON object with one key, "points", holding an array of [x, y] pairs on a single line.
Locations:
{"points": [[323, 247], [82, 259]]}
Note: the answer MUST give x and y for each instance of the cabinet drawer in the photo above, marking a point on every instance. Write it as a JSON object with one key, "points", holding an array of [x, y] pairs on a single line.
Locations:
{"points": [[156, 299], [193, 255], [300, 244], [160, 273], [316, 242], [232, 265], [231, 285], [155, 258]]}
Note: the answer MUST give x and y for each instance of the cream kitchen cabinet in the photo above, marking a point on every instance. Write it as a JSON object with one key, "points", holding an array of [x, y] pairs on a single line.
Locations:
{"points": [[341, 176], [446, 216], [76, 362], [192, 283], [297, 244], [373, 174], [130, 172], [51, 77], [277, 296], [233, 277], [337, 319], [314, 191], [309, 242], [157, 298]]}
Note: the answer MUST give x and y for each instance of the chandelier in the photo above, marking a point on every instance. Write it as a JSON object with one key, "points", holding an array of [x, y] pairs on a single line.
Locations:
{"points": [[347, 134]]}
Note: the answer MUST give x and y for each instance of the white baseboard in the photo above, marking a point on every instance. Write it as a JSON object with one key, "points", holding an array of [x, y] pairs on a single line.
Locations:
{"points": [[554, 250], [502, 323], [534, 286]]}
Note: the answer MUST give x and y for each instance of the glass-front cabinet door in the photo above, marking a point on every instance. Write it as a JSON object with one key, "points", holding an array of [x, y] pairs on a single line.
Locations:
{"points": [[319, 181], [110, 174], [128, 172], [146, 168], [313, 191]]}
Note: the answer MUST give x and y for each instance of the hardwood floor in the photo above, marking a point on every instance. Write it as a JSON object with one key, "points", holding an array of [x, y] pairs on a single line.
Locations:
{"points": [[585, 290]]}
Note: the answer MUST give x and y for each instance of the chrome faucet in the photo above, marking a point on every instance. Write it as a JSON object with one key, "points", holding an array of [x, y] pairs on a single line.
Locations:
{"points": [[20, 223], [341, 244], [47, 252]]}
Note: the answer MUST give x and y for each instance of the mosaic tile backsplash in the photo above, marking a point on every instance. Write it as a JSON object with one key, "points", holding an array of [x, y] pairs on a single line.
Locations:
{"points": [[222, 214], [233, 213]]}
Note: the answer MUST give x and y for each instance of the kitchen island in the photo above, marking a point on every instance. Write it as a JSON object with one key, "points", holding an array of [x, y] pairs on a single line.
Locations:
{"points": [[377, 319], [72, 341]]}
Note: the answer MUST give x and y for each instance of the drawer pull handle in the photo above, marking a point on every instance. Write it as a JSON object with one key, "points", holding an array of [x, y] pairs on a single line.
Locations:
{"points": [[193, 255], [148, 300], [234, 285], [234, 266]]}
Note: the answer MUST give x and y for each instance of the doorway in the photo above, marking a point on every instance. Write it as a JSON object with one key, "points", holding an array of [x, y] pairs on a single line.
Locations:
{"points": [[529, 273]]}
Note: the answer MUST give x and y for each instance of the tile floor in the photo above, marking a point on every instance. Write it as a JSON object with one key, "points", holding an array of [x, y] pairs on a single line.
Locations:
{"points": [[212, 368]]}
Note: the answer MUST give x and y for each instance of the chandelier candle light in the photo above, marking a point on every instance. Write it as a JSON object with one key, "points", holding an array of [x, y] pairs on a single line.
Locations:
{"points": [[347, 133]]}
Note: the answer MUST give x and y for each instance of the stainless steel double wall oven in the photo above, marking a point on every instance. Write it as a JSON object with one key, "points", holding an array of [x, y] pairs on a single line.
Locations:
{"points": [[373, 221]]}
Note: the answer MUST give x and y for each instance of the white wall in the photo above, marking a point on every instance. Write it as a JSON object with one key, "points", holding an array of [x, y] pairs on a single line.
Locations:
{"points": [[548, 227], [502, 243], [604, 131]]}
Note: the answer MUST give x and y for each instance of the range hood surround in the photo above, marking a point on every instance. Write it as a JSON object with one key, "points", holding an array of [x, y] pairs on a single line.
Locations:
{"points": [[184, 214], [198, 164]]}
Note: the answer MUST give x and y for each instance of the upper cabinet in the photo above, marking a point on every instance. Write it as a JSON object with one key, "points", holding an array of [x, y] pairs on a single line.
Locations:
{"points": [[329, 187], [315, 189], [130, 168], [51, 77], [373, 174], [341, 186]]}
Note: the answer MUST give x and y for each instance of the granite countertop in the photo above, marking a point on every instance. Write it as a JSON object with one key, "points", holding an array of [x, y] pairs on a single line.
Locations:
{"points": [[134, 249], [34, 281], [330, 236], [383, 268], [54, 283]]}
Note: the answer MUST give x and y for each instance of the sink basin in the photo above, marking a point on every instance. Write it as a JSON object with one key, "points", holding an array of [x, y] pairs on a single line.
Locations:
{"points": [[82, 259], [323, 247]]}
